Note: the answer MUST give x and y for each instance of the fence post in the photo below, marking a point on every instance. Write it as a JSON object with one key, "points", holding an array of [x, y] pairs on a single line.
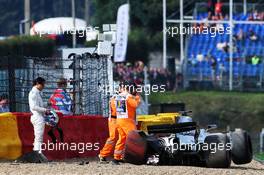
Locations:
{"points": [[146, 83], [12, 84], [261, 76], [77, 82], [228, 128], [262, 141], [111, 87]]}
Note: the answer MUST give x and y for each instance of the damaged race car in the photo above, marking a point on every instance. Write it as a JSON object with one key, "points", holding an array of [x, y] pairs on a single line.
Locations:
{"points": [[185, 143]]}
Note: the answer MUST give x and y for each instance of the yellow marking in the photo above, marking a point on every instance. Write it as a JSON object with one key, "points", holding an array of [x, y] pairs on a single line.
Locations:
{"points": [[10, 143]]}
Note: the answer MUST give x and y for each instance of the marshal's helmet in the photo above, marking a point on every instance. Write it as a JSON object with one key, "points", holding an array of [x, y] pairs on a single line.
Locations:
{"points": [[52, 119]]}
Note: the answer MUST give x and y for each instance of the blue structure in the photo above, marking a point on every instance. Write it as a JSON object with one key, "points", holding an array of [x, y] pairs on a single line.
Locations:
{"points": [[207, 44]]}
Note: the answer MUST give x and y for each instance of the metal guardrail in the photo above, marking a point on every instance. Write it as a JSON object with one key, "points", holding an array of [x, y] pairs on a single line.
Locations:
{"points": [[220, 79]]}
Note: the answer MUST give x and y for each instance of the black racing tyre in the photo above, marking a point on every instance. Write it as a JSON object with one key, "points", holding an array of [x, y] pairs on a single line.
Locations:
{"points": [[136, 148], [218, 155], [241, 147], [32, 157]]}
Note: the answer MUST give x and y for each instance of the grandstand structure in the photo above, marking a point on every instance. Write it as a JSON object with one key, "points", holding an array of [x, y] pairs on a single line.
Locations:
{"points": [[245, 49], [205, 64]]}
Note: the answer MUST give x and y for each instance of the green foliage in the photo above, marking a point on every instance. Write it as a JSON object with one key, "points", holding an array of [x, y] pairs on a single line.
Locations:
{"points": [[260, 157], [138, 47], [156, 41], [27, 46], [105, 12], [145, 15], [243, 110], [91, 43], [145, 21], [148, 15]]}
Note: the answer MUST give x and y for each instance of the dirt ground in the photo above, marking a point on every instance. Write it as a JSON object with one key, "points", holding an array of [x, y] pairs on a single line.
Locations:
{"points": [[72, 167]]}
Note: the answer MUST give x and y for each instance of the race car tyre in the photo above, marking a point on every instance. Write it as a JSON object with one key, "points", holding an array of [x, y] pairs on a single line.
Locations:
{"points": [[218, 155], [241, 147], [32, 157], [136, 148]]}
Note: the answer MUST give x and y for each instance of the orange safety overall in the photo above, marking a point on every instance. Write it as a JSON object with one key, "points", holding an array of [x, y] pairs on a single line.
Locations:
{"points": [[109, 146], [126, 105]]}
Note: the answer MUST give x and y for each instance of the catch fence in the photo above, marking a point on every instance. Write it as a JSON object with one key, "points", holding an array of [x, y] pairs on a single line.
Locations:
{"points": [[86, 75]]}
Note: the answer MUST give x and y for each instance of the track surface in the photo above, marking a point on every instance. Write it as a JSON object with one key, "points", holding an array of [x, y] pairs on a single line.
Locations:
{"points": [[72, 167]]}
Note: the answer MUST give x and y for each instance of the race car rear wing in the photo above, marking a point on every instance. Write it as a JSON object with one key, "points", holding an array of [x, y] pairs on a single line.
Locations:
{"points": [[172, 128]]}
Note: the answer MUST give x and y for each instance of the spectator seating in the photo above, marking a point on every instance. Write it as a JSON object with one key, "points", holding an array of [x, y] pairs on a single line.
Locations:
{"points": [[206, 43]]}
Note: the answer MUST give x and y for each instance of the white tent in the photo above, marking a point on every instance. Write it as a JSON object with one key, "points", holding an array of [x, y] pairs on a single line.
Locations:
{"points": [[57, 26]]}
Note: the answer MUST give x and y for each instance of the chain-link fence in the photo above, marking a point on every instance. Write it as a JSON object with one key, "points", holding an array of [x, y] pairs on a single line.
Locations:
{"points": [[96, 86], [3, 81], [88, 73]]}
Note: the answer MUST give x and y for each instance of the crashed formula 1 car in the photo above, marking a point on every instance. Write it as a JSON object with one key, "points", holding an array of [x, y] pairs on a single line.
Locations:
{"points": [[184, 143]]}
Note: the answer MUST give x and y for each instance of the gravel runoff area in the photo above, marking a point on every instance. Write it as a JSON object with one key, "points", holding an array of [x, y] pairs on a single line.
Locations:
{"points": [[73, 167]]}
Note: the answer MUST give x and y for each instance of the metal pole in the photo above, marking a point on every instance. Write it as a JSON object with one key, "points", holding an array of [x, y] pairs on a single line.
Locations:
{"points": [[164, 36], [27, 16], [245, 7], [181, 32], [261, 141], [87, 12], [12, 83], [74, 25], [261, 76], [110, 75], [20, 28], [231, 46], [77, 86], [146, 83]]}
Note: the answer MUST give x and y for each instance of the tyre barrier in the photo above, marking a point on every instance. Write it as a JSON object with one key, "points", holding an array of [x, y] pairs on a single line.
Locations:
{"points": [[84, 136]]}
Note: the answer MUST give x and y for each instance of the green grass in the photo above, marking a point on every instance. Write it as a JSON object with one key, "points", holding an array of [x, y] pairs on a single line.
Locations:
{"points": [[236, 109], [260, 156], [172, 97]]}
